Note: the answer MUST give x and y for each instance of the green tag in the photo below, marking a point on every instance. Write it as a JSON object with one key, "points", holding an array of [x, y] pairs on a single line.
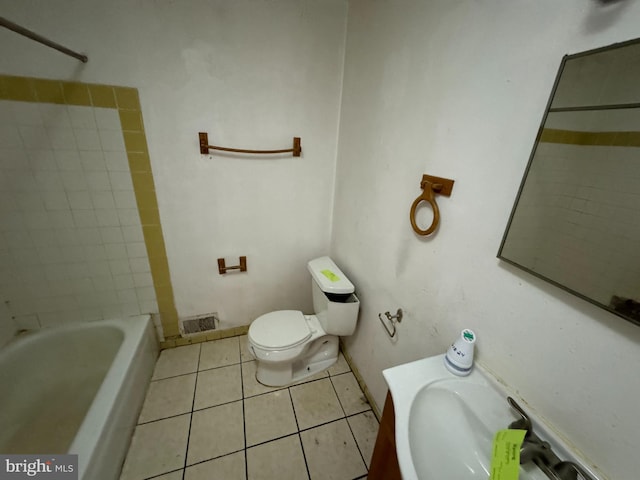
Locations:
{"points": [[330, 275], [505, 461]]}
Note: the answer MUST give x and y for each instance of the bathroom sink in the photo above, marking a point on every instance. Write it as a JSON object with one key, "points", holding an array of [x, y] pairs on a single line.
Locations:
{"points": [[445, 424]]}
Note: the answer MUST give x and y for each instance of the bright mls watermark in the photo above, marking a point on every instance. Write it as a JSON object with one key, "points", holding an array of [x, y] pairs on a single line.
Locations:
{"points": [[50, 467]]}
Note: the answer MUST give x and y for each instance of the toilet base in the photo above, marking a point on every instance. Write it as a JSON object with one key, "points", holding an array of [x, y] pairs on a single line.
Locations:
{"points": [[321, 354]]}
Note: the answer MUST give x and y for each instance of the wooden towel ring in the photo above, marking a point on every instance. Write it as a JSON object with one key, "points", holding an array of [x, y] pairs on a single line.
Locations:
{"points": [[430, 186]]}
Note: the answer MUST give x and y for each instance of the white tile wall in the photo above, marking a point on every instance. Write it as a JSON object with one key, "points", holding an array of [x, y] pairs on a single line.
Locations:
{"points": [[71, 243]]}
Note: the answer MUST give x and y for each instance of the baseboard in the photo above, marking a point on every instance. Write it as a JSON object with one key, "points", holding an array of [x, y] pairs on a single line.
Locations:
{"points": [[178, 341], [361, 382]]}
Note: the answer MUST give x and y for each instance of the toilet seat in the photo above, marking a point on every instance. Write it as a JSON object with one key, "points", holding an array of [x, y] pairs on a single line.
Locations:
{"points": [[283, 329]]}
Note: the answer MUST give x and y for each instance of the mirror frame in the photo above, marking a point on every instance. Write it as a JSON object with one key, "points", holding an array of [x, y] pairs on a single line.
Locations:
{"points": [[563, 63]]}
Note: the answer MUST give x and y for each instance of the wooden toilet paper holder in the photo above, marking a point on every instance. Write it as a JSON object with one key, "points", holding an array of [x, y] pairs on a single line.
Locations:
{"points": [[222, 268]]}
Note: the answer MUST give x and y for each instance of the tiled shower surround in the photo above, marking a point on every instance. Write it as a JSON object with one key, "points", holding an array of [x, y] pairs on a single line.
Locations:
{"points": [[71, 240], [589, 219]]}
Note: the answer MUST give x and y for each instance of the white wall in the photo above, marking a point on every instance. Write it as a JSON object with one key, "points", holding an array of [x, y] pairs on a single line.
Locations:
{"points": [[458, 89], [251, 73]]}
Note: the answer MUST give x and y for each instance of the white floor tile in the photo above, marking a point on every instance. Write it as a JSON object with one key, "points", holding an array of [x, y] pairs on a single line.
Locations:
{"points": [[215, 432], [156, 448], [177, 361], [349, 393], [315, 403], [331, 452], [229, 467], [269, 416], [168, 397], [281, 459], [218, 386], [220, 353], [365, 430]]}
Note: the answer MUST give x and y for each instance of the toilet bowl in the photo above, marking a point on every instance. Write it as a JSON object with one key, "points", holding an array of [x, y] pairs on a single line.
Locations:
{"points": [[289, 345]]}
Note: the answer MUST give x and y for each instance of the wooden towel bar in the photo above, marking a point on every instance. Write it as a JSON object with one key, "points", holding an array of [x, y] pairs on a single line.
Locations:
{"points": [[205, 147]]}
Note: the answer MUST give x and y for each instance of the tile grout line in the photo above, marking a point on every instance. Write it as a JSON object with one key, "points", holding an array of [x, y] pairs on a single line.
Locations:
{"points": [[163, 418], [193, 401], [295, 417], [208, 407], [347, 421], [191, 373], [331, 421], [200, 462], [299, 431], [293, 407], [304, 455], [244, 419], [165, 473], [343, 417], [264, 442], [358, 446], [338, 397]]}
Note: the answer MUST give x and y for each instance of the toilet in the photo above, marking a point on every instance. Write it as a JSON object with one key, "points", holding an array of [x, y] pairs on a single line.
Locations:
{"points": [[289, 345]]}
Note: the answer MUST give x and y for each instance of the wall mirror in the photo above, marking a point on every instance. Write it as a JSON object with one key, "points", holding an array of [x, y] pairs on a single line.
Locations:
{"points": [[576, 219]]}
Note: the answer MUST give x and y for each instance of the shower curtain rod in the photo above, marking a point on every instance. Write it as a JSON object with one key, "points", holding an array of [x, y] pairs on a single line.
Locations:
{"points": [[39, 38]]}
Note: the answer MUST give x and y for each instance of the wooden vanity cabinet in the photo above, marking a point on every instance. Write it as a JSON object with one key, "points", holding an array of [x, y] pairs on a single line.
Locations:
{"points": [[384, 462]]}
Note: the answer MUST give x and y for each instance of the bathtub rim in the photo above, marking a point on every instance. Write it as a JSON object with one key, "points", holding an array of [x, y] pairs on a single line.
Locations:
{"points": [[103, 437], [105, 402], [138, 339]]}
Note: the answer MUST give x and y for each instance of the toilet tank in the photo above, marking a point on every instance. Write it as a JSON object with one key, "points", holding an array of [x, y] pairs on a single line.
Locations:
{"points": [[334, 301]]}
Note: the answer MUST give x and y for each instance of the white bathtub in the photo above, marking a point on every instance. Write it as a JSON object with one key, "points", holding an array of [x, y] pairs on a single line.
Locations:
{"points": [[77, 389]]}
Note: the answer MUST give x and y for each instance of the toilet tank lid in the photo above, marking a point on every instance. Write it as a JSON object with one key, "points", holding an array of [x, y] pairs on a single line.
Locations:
{"points": [[329, 277]]}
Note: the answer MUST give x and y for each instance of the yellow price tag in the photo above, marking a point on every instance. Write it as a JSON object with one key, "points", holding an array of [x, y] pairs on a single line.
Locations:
{"points": [[505, 460]]}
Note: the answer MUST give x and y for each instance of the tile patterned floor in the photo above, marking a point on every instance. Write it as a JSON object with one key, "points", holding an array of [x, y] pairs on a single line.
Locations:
{"points": [[205, 417]]}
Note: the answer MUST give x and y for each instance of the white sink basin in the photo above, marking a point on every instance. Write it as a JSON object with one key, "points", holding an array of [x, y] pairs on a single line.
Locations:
{"points": [[445, 424]]}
